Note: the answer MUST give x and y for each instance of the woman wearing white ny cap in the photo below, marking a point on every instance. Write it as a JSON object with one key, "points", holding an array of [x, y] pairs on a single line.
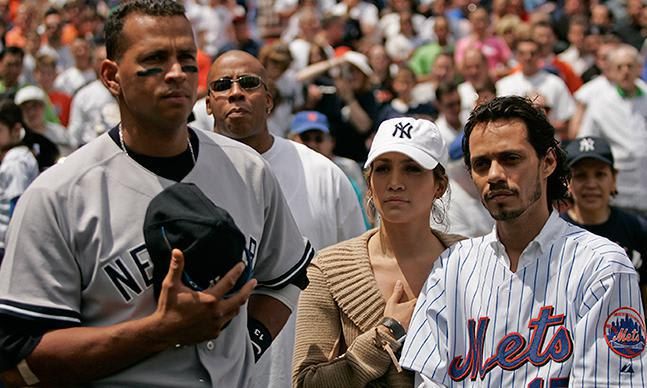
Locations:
{"points": [[353, 317]]}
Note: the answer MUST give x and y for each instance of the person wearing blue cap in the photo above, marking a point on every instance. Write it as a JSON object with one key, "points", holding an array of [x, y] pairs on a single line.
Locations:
{"points": [[312, 129], [592, 186]]}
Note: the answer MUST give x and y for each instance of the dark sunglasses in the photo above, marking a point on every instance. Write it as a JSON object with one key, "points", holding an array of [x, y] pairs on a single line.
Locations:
{"points": [[246, 82]]}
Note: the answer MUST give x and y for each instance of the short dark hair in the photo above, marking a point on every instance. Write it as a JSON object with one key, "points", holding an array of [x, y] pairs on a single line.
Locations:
{"points": [[486, 86], [51, 11], [115, 23], [13, 50], [524, 40], [540, 132], [10, 113], [444, 88], [330, 19]]}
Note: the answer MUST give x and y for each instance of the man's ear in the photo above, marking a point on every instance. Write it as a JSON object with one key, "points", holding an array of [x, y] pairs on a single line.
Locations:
{"points": [[109, 73], [549, 163], [269, 102], [206, 101]]}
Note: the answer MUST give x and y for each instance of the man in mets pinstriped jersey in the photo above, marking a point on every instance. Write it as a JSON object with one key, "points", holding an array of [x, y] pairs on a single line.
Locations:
{"points": [[538, 302]]}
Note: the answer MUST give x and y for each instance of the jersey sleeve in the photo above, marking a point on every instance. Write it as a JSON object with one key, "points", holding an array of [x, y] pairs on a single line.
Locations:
{"points": [[425, 348], [39, 277], [17, 174], [609, 338], [283, 253]]}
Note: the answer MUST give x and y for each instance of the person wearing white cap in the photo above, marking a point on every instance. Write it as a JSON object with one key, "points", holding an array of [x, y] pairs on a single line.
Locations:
{"points": [[353, 317], [31, 100]]}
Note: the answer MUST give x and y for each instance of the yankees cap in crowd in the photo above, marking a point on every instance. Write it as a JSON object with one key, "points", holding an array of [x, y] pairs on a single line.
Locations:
{"points": [[588, 147], [419, 139], [309, 120], [182, 217]]}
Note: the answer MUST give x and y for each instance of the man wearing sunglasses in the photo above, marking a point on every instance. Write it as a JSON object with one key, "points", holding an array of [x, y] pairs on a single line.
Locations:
{"points": [[320, 196]]}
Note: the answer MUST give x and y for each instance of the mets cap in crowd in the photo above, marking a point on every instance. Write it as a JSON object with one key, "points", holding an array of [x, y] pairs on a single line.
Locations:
{"points": [[309, 120]]}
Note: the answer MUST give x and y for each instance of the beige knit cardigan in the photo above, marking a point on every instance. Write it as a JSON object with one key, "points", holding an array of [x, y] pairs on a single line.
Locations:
{"points": [[335, 332]]}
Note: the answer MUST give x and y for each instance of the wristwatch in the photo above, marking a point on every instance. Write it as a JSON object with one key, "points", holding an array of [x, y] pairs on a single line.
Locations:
{"points": [[395, 328]]}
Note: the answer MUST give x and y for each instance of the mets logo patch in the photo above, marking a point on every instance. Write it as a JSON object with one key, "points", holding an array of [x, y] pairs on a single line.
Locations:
{"points": [[624, 332]]}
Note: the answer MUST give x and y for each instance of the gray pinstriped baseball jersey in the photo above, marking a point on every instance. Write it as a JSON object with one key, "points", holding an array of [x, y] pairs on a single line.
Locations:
{"points": [[76, 254]]}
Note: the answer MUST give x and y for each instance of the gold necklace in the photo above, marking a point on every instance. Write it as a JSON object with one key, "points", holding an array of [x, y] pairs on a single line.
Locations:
{"points": [[123, 145]]}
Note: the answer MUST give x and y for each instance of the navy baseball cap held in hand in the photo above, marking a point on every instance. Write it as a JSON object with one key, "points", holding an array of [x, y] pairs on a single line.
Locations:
{"points": [[182, 217], [588, 147]]}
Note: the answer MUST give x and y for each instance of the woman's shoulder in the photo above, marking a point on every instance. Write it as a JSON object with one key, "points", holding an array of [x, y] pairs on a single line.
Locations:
{"points": [[346, 250]]}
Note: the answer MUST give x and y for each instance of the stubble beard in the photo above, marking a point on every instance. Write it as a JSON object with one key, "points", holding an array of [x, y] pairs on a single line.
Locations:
{"points": [[510, 214]]}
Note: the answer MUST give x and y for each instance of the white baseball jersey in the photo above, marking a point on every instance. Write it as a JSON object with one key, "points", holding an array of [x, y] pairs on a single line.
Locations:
{"points": [[326, 209], [571, 315], [76, 255], [18, 169]]}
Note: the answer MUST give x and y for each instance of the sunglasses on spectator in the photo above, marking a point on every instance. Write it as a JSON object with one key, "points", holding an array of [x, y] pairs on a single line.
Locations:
{"points": [[246, 82]]}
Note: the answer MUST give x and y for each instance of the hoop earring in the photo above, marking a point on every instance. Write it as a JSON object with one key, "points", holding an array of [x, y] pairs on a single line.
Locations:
{"points": [[369, 202], [371, 210]]}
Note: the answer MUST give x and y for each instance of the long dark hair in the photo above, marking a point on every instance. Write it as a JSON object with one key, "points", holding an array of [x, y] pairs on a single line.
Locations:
{"points": [[541, 135]]}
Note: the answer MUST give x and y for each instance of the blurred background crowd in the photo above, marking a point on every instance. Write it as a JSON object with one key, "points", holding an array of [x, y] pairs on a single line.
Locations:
{"points": [[359, 63]]}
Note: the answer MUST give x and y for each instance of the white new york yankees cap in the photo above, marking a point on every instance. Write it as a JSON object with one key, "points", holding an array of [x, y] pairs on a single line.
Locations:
{"points": [[419, 139]]}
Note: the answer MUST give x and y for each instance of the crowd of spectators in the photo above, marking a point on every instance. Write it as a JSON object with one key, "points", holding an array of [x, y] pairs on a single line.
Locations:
{"points": [[359, 63]]}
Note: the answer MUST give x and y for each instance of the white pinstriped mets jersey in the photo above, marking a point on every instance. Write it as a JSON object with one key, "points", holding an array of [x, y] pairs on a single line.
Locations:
{"points": [[570, 316]]}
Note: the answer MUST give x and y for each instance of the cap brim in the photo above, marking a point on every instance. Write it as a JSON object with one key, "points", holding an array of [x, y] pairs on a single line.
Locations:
{"points": [[589, 156], [417, 155], [22, 100], [310, 127]]}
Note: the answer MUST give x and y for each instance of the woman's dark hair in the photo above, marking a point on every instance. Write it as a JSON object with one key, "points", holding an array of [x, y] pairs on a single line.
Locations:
{"points": [[115, 23], [10, 115], [541, 135]]}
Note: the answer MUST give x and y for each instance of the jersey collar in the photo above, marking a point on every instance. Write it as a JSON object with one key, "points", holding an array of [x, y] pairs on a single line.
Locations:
{"points": [[551, 231]]}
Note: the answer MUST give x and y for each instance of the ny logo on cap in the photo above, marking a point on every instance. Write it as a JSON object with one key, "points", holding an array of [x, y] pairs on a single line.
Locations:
{"points": [[404, 129], [587, 145]]}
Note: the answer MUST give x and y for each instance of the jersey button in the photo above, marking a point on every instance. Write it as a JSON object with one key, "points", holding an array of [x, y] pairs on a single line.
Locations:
{"points": [[210, 345]]}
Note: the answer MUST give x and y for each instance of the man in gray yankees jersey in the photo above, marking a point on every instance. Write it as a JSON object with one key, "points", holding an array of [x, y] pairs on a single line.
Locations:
{"points": [[538, 302], [76, 302]]}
